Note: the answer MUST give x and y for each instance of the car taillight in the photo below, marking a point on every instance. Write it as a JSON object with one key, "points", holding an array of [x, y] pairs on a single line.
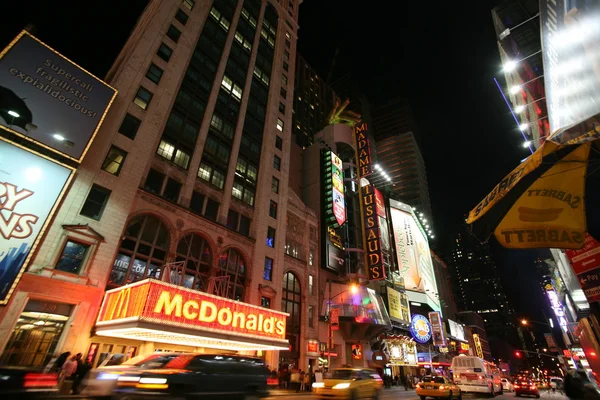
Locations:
{"points": [[516, 386], [480, 376], [533, 387], [32, 380], [442, 387]]}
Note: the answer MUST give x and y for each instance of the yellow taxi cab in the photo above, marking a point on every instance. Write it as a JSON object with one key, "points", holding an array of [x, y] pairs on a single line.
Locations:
{"points": [[349, 383], [438, 387]]}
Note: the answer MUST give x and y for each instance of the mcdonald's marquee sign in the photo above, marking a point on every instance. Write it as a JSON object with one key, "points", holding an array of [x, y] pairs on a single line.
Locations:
{"points": [[163, 303]]}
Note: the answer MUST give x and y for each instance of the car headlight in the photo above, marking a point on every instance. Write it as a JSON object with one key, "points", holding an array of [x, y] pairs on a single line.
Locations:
{"points": [[107, 376], [318, 384], [153, 381], [342, 386], [128, 378]]}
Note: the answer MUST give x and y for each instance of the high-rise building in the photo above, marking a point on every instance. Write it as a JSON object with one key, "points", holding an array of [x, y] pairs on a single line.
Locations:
{"points": [[313, 100], [478, 287], [478, 338], [186, 181], [399, 154]]}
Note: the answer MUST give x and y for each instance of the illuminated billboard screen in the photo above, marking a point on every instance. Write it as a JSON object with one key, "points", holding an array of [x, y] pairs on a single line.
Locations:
{"points": [[414, 258], [48, 99], [456, 330], [30, 188], [335, 206]]}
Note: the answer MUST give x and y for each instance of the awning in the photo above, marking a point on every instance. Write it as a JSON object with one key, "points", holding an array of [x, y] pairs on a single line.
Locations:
{"points": [[156, 311]]}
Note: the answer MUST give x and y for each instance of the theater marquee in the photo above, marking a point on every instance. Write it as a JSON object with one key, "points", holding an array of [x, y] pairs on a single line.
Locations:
{"points": [[152, 310]]}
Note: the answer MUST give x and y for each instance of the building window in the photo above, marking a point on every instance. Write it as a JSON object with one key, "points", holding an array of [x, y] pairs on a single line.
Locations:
{"points": [[274, 185], [278, 142], [281, 107], [238, 223], [114, 160], [311, 257], [181, 16], [154, 73], [311, 287], [232, 219], [232, 88], [261, 75], [129, 126], [271, 236], [142, 252], [247, 169], [283, 92], [231, 264], [94, 204], [197, 202], [294, 249], [172, 190], [273, 209], [279, 124], [223, 22], [268, 270], [284, 80], [142, 98], [212, 209], [177, 156], [73, 257], [189, 4], [311, 317], [265, 302], [291, 303], [173, 33], [244, 227], [194, 251], [286, 66], [154, 181], [164, 52], [277, 162]]}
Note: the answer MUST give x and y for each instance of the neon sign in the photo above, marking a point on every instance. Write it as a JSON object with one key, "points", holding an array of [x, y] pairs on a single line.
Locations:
{"points": [[557, 307], [156, 301]]}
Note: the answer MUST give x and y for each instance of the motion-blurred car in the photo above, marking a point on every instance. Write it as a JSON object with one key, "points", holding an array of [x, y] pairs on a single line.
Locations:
{"points": [[102, 381], [27, 383], [208, 376], [542, 384], [526, 388], [349, 383], [507, 385], [438, 387]]}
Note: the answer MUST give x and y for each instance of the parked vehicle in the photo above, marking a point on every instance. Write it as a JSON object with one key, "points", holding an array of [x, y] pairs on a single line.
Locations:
{"points": [[475, 375], [438, 387]]}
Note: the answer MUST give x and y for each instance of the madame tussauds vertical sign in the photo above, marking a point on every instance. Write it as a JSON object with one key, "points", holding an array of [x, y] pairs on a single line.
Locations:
{"points": [[374, 257], [363, 150]]}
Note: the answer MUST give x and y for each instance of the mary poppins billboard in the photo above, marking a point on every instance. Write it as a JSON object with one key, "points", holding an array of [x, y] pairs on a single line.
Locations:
{"points": [[48, 99]]}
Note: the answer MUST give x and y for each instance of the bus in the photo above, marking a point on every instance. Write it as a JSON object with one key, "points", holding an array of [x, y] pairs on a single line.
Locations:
{"points": [[475, 375]]}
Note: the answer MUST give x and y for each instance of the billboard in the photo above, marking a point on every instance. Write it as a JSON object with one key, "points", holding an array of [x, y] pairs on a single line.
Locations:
{"points": [[363, 150], [437, 329], [571, 67], [333, 182], [420, 328], [586, 265], [398, 305], [457, 330], [413, 255], [31, 186], [48, 99]]}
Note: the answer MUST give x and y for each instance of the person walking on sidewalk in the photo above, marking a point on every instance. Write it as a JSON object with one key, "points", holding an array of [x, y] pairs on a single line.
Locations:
{"points": [[302, 384]]}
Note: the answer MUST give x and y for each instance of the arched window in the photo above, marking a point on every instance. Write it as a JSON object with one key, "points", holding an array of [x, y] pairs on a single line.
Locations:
{"points": [[231, 264], [195, 252], [142, 253], [291, 302]]}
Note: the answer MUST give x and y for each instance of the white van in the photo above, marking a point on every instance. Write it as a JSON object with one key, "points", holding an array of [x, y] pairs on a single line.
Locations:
{"points": [[474, 375]]}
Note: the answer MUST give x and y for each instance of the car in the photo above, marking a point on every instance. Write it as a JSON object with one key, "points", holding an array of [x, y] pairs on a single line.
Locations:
{"points": [[438, 387], [526, 388], [27, 383], [349, 383], [101, 381], [507, 385], [210, 376]]}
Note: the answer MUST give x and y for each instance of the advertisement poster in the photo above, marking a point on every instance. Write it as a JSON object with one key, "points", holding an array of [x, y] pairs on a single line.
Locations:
{"points": [[420, 328], [570, 37], [456, 330], [384, 231], [357, 352], [551, 343], [30, 187], [437, 329], [414, 256], [337, 180], [394, 306], [586, 265], [48, 99]]}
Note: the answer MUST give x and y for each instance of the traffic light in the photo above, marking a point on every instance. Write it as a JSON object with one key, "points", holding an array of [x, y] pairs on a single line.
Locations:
{"points": [[518, 354]]}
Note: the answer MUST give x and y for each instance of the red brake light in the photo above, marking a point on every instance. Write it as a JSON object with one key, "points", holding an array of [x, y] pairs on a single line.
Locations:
{"points": [[40, 380], [533, 387], [516, 386]]}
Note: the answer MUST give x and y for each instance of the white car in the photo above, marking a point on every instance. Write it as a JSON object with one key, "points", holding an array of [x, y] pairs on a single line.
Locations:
{"points": [[507, 385]]}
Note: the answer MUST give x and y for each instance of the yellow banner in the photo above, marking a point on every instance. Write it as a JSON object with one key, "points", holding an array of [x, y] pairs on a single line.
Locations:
{"points": [[510, 181], [395, 306], [551, 212]]}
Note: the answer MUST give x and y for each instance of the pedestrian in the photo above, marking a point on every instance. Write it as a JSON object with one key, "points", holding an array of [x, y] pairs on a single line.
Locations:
{"points": [[405, 382], [65, 379], [302, 384], [307, 379], [57, 366], [82, 370], [553, 386], [416, 380]]}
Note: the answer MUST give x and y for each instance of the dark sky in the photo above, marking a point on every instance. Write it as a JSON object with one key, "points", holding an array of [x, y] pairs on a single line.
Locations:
{"points": [[443, 56]]}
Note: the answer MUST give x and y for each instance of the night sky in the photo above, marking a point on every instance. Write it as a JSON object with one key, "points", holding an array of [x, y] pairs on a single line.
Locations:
{"points": [[443, 56]]}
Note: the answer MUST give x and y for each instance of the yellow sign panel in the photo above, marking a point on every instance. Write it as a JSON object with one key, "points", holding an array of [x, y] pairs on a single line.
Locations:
{"points": [[550, 213], [395, 307]]}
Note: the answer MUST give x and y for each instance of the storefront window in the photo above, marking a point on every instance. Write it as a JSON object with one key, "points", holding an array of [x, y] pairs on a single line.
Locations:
{"points": [[291, 304], [231, 264], [194, 251], [36, 333], [142, 252], [72, 257]]}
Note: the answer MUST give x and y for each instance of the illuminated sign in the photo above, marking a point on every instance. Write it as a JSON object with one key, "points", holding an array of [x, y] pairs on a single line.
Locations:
{"points": [[557, 307], [437, 330], [313, 346], [163, 303], [464, 346], [334, 314], [363, 150], [374, 257], [334, 189], [357, 352], [420, 328], [478, 347], [48, 99], [456, 330], [31, 187]]}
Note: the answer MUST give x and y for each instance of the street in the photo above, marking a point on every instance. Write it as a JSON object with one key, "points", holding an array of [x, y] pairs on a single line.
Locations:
{"points": [[400, 393]]}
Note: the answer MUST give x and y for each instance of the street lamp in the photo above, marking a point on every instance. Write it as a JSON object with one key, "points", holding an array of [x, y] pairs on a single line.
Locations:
{"points": [[354, 290]]}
